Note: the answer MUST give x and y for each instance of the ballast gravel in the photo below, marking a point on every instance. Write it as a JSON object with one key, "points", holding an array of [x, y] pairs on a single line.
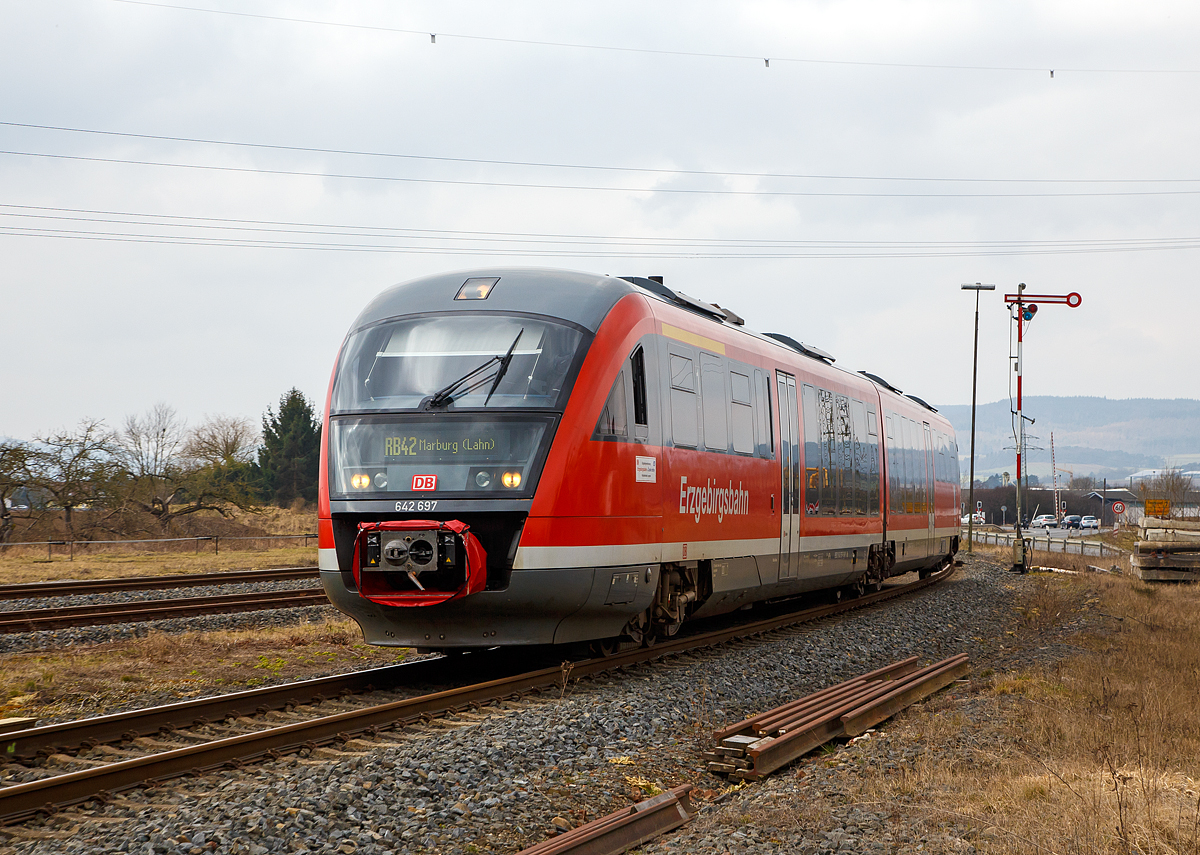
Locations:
{"points": [[48, 639], [500, 780], [21, 642]]}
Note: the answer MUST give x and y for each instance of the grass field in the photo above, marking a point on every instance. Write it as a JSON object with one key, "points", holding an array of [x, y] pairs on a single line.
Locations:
{"points": [[29, 564], [1099, 753], [92, 679]]}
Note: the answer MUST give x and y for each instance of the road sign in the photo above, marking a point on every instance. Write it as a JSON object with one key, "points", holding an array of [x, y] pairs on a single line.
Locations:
{"points": [[1158, 508], [1118, 508], [1004, 507]]}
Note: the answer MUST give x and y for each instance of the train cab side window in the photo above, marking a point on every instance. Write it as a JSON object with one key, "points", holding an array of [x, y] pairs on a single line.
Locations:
{"points": [[637, 366], [741, 413], [684, 428], [614, 419]]}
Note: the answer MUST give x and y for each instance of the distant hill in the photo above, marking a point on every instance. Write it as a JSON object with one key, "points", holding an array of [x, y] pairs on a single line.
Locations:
{"points": [[1105, 437]]}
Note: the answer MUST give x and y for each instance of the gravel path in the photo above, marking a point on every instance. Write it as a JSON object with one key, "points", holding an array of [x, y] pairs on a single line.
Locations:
{"points": [[500, 780]]}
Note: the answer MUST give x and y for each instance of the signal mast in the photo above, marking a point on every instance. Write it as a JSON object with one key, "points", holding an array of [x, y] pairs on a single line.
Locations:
{"points": [[1022, 309]]}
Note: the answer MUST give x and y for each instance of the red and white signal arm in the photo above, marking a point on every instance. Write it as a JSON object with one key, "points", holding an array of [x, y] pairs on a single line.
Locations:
{"points": [[1118, 507], [424, 482]]}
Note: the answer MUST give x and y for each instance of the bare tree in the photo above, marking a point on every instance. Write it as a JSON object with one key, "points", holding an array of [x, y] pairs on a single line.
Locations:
{"points": [[151, 448], [223, 441], [74, 468], [14, 474], [1170, 485], [170, 473]]}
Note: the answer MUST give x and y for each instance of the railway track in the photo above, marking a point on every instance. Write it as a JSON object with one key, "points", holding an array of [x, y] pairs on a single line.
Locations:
{"points": [[237, 740], [31, 620], [72, 587]]}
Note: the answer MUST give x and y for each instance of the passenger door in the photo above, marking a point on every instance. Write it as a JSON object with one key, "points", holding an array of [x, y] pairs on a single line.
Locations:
{"points": [[789, 458], [930, 485]]}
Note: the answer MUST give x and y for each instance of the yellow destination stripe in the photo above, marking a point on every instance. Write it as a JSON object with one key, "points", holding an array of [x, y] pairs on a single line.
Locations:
{"points": [[693, 339]]}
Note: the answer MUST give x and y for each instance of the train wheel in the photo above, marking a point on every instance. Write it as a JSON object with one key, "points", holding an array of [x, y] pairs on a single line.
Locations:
{"points": [[605, 647]]}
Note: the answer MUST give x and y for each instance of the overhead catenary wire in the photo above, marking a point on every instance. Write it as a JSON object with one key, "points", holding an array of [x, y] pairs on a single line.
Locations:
{"points": [[585, 187], [269, 234], [580, 166], [342, 229], [765, 57]]}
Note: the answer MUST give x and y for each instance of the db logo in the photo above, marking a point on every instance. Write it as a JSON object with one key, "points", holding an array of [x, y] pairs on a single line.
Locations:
{"points": [[424, 482]]}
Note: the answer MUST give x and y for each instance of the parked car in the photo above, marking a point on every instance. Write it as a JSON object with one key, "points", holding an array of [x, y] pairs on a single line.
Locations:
{"points": [[1089, 522], [966, 520], [1071, 521], [1044, 521]]}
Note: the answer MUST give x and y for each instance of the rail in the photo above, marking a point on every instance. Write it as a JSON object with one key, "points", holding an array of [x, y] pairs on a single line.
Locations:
{"points": [[71, 587], [32, 620], [20, 801]]}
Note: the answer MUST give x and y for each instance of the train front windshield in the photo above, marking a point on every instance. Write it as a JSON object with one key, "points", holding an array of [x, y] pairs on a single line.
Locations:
{"points": [[429, 406], [402, 364]]}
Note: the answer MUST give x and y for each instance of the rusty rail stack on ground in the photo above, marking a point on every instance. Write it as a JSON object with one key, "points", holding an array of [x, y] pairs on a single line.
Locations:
{"points": [[766, 742], [624, 829]]}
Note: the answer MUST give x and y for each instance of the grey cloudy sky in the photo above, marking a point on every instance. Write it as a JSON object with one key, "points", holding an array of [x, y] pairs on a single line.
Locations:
{"points": [[889, 152]]}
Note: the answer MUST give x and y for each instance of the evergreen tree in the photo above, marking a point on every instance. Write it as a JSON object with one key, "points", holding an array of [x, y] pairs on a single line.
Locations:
{"points": [[288, 459]]}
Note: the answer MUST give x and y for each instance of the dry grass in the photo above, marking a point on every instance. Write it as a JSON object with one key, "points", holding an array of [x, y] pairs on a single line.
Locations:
{"points": [[22, 564], [89, 680], [1098, 754]]}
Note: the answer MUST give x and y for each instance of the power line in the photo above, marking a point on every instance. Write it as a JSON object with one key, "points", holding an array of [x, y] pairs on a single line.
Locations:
{"points": [[583, 187], [766, 59], [232, 233], [550, 165], [349, 229]]}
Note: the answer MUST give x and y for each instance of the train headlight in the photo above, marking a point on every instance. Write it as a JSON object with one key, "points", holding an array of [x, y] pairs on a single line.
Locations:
{"points": [[380, 480], [360, 480], [511, 480], [483, 479]]}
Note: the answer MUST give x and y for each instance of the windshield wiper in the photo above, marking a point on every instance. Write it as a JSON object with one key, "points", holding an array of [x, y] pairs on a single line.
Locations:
{"points": [[442, 397], [503, 367]]}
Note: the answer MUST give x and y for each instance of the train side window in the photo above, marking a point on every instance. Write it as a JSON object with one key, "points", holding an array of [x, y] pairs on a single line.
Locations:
{"points": [[763, 435], [820, 452], [866, 462], [741, 413], [614, 419], [684, 428], [637, 368], [714, 403]]}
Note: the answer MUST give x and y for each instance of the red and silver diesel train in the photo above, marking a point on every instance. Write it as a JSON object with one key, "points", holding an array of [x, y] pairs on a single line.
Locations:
{"points": [[526, 456]]}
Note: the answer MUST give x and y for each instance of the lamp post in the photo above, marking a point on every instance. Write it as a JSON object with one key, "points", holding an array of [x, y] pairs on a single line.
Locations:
{"points": [[977, 287]]}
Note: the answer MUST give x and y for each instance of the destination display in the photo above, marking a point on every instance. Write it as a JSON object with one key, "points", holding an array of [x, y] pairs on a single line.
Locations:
{"points": [[443, 455], [439, 446]]}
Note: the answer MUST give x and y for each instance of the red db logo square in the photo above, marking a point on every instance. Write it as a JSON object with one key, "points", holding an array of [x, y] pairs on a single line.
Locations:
{"points": [[424, 482]]}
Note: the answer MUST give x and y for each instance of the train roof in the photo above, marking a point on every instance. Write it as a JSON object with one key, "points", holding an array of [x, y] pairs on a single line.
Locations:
{"points": [[581, 298]]}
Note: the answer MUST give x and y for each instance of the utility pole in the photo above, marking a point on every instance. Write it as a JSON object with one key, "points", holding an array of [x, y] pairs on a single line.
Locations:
{"points": [[977, 287], [1022, 308]]}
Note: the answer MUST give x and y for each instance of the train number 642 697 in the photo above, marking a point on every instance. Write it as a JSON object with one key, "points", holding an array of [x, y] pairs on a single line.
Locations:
{"points": [[410, 507]]}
